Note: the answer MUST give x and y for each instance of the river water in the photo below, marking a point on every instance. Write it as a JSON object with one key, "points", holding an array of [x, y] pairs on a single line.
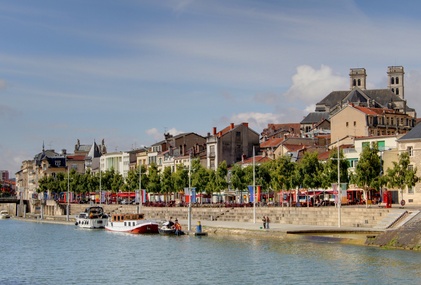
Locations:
{"points": [[36, 253]]}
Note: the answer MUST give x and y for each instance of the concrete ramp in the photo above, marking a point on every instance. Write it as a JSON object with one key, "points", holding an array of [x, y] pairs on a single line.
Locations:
{"points": [[409, 216], [395, 218]]}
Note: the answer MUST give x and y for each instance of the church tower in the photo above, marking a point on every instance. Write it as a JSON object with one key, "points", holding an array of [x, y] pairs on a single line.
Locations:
{"points": [[395, 80], [358, 78]]}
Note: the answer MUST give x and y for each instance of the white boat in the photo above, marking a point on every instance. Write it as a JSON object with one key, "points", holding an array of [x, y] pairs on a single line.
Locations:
{"points": [[92, 218], [131, 223], [4, 214]]}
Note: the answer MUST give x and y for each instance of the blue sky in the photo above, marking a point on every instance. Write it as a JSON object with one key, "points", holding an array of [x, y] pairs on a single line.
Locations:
{"points": [[127, 71]]}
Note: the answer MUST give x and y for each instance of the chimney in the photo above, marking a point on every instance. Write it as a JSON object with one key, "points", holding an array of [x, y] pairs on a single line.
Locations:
{"points": [[246, 125], [232, 126], [214, 130]]}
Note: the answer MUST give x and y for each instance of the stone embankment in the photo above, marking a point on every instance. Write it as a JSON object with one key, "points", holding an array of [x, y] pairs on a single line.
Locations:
{"points": [[357, 217], [389, 228], [407, 236]]}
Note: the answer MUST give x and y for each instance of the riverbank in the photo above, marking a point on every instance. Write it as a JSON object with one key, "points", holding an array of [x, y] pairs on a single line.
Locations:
{"points": [[394, 228], [345, 235]]}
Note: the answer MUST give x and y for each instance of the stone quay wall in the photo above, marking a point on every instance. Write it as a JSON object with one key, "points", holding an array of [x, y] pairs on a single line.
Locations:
{"points": [[320, 216]]}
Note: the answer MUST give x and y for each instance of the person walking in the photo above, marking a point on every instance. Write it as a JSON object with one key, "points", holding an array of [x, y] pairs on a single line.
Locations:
{"points": [[267, 222], [264, 222]]}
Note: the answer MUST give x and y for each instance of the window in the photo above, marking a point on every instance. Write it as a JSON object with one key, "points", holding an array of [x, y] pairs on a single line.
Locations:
{"points": [[397, 91], [392, 80], [355, 123], [365, 144], [346, 124], [359, 82], [57, 163], [397, 80], [381, 145], [354, 83], [410, 190], [410, 150]]}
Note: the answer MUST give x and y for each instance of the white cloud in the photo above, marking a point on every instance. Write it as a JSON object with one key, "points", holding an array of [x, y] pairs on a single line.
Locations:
{"points": [[159, 136], [310, 85], [257, 121], [155, 134], [412, 89]]}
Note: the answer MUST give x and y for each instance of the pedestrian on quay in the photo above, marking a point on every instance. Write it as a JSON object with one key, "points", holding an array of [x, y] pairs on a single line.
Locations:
{"points": [[264, 222], [267, 222]]}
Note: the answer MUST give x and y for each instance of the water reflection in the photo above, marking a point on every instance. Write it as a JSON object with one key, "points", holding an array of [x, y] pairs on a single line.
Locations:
{"points": [[56, 254]]}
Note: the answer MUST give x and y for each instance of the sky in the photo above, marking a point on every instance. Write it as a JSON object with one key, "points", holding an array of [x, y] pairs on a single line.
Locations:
{"points": [[129, 71]]}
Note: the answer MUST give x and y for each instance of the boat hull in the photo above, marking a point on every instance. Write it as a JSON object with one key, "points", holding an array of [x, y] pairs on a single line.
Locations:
{"points": [[4, 215], [133, 227], [169, 231]]}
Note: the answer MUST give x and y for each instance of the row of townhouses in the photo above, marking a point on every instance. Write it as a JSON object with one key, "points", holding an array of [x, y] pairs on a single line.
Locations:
{"points": [[349, 119]]}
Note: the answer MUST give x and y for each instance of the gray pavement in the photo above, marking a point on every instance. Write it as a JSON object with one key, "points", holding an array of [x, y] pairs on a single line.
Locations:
{"points": [[283, 228]]}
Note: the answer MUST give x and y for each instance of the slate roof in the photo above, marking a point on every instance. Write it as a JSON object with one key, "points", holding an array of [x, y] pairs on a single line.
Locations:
{"points": [[381, 97], [315, 117], [413, 134]]}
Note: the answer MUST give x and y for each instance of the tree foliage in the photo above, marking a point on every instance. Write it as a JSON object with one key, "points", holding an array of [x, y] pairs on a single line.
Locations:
{"points": [[402, 174]]}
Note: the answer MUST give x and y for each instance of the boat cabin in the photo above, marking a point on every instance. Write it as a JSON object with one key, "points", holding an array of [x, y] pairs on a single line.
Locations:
{"points": [[123, 217]]}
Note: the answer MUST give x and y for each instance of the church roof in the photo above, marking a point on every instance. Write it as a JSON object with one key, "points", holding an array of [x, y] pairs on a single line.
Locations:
{"points": [[380, 98]]}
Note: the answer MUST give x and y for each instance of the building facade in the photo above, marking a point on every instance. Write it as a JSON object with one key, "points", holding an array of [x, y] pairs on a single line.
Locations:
{"points": [[231, 144]]}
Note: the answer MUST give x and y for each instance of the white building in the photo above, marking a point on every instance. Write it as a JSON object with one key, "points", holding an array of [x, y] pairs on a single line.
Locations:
{"points": [[119, 161]]}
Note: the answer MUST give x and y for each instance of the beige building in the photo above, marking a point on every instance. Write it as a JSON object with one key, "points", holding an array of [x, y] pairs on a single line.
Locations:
{"points": [[356, 121], [411, 143]]}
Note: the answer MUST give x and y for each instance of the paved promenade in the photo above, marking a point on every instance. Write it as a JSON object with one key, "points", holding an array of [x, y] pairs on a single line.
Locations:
{"points": [[276, 227]]}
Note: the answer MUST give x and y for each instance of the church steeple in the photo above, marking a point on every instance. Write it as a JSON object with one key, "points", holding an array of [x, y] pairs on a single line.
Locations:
{"points": [[358, 78], [395, 80]]}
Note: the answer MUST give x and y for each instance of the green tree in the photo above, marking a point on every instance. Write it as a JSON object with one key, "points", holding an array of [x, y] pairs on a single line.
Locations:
{"points": [[237, 180], [308, 171], [132, 180], [199, 176], [154, 181], [368, 170], [220, 177], [330, 169], [167, 184], [402, 174], [282, 173], [180, 177]]}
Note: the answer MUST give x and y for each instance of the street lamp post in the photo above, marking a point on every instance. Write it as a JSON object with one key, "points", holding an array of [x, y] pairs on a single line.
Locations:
{"points": [[254, 186], [189, 211], [339, 191], [338, 187], [68, 192]]}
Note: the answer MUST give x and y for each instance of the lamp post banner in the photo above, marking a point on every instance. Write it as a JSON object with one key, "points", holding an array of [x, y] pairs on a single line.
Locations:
{"points": [[250, 187], [193, 195]]}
